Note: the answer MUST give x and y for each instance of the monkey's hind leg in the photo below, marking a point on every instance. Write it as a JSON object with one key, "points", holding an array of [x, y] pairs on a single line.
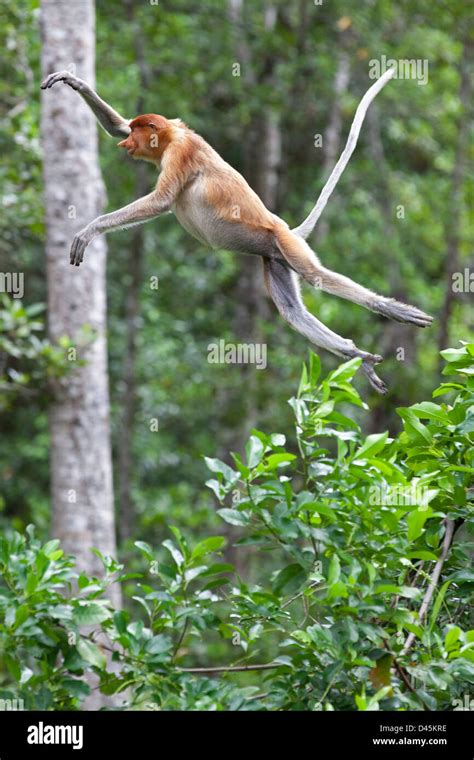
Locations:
{"points": [[303, 259], [282, 284]]}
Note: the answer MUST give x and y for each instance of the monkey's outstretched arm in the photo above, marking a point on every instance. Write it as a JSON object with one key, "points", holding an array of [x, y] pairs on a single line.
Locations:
{"points": [[114, 124], [138, 212]]}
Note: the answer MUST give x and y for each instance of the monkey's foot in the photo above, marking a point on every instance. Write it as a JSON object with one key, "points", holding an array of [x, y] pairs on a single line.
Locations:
{"points": [[402, 312], [368, 366]]}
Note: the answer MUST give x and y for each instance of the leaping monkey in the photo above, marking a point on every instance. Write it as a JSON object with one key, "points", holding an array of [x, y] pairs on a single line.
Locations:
{"points": [[214, 203]]}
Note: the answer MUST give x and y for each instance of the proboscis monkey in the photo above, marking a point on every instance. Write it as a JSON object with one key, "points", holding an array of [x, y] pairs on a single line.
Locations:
{"points": [[215, 204]]}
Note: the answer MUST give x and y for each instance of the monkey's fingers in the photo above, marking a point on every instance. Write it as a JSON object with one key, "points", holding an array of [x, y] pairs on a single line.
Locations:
{"points": [[402, 312], [79, 245], [58, 76]]}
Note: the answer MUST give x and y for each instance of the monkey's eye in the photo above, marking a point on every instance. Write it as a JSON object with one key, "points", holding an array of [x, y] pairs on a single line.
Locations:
{"points": [[153, 126]]}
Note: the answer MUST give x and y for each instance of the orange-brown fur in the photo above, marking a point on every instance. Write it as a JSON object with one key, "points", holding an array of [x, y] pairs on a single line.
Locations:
{"points": [[181, 153]]}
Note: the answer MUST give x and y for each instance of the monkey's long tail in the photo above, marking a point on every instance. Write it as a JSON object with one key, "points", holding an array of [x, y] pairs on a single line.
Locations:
{"points": [[283, 286], [306, 227]]}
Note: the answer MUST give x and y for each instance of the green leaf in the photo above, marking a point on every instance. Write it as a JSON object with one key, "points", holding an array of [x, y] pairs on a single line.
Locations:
{"points": [[211, 544], [314, 369], [32, 581], [372, 445], [446, 388], [278, 439], [216, 465], [454, 354], [345, 371], [422, 555], [145, 549], [437, 604], [23, 612], [75, 687], [254, 450], [275, 460], [50, 547], [219, 567], [290, 579], [430, 411], [13, 667], [409, 592], [90, 613], [413, 424], [234, 517], [412, 628], [334, 571], [91, 653], [158, 644], [303, 380], [120, 619], [320, 509], [175, 553], [416, 521], [452, 637]]}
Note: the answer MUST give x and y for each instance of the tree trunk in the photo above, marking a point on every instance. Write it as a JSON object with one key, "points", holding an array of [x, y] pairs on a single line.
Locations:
{"points": [[81, 467], [395, 334], [332, 136], [262, 159], [129, 395], [128, 404]]}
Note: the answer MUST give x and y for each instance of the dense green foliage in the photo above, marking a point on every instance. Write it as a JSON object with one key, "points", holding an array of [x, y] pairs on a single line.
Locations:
{"points": [[188, 63], [352, 527]]}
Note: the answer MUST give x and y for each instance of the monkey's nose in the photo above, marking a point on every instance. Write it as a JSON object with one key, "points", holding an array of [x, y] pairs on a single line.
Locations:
{"points": [[122, 144]]}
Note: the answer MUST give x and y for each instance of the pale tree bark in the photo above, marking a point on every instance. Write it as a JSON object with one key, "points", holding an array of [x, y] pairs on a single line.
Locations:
{"points": [[81, 467]]}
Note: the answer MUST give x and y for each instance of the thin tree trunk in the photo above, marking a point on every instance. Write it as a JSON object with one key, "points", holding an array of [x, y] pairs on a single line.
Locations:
{"points": [[262, 159], [129, 395], [395, 335], [332, 136], [81, 467], [132, 313]]}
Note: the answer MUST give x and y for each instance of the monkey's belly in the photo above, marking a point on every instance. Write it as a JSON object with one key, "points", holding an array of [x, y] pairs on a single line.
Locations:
{"points": [[193, 224], [203, 225]]}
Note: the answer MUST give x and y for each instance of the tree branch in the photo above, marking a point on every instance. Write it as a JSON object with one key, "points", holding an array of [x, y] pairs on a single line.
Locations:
{"points": [[406, 681], [448, 537], [232, 668]]}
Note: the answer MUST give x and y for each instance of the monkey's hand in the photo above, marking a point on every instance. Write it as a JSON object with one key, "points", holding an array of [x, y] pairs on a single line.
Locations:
{"points": [[79, 245], [63, 76]]}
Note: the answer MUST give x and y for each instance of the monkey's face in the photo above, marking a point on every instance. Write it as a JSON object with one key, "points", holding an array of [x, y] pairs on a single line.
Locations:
{"points": [[148, 137], [141, 143]]}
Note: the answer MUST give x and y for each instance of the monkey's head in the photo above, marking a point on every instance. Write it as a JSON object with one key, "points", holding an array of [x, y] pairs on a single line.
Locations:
{"points": [[149, 137]]}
